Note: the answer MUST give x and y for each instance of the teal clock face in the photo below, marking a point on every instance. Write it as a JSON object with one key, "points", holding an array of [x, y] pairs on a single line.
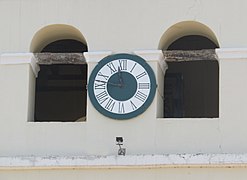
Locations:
{"points": [[122, 86]]}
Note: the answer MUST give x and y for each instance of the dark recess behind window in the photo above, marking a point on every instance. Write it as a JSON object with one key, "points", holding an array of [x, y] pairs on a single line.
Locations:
{"points": [[192, 87], [192, 42], [65, 46], [61, 88]]}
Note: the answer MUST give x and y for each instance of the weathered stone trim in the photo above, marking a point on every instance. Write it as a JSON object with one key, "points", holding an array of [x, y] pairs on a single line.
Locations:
{"points": [[194, 55], [59, 58]]}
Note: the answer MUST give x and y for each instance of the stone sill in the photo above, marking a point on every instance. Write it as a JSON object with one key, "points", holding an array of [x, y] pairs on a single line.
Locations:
{"points": [[125, 162], [188, 119]]}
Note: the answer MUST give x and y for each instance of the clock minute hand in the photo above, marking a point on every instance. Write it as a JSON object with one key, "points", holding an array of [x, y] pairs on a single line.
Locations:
{"points": [[114, 84]]}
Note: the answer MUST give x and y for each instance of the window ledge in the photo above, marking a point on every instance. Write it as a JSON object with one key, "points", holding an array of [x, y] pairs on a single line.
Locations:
{"points": [[232, 53], [125, 162], [20, 58], [56, 122], [188, 119]]}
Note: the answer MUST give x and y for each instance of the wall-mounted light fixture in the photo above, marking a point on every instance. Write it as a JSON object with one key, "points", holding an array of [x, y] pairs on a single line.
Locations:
{"points": [[121, 151]]}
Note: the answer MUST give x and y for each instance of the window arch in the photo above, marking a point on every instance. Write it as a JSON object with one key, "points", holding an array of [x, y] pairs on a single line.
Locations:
{"points": [[183, 29], [52, 33], [61, 82], [191, 85]]}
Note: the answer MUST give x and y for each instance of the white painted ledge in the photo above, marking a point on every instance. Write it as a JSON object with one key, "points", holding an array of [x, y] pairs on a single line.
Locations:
{"points": [[129, 161], [153, 56], [20, 58], [96, 56], [150, 55], [232, 53]]}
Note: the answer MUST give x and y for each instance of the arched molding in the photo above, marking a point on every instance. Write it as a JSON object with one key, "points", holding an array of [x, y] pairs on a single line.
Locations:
{"points": [[186, 28], [52, 33]]}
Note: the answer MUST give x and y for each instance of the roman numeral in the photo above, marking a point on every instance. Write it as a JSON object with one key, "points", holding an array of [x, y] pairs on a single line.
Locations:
{"points": [[121, 107], [99, 84], [141, 75], [140, 96], [102, 97], [112, 67], [110, 105], [123, 64], [133, 68], [104, 76], [133, 105], [143, 85]]}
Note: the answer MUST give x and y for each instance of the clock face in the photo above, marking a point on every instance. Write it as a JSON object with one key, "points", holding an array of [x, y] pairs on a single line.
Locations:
{"points": [[122, 86]]}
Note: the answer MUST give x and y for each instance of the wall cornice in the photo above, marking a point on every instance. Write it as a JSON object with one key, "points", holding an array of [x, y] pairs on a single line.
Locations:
{"points": [[96, 56], [20, 58], [231, 53], [153, 56]]}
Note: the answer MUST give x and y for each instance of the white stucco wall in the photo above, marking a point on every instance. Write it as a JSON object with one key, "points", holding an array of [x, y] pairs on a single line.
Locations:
{"points": [[119, 25], [145, 134]]}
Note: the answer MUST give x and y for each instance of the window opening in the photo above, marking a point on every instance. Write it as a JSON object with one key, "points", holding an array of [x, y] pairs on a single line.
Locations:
{"points": [[192, 42], [174, 106], [61, 83], [191, 87], [65, 46]]}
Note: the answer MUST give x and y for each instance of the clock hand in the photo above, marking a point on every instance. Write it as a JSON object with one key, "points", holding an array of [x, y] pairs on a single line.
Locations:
{"points": [[114, 84], [120, 77]]}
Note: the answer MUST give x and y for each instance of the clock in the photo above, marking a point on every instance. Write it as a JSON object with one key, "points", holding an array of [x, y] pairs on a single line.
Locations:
{"points": [[122, 86]]}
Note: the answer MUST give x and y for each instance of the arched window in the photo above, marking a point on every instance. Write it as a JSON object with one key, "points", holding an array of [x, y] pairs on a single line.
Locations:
{"points": [[61, 82], [192, 42], [191, 88], [65, 46]]}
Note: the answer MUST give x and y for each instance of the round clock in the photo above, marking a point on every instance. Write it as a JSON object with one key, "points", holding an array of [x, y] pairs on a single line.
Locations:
{"points": [[122, 86]]}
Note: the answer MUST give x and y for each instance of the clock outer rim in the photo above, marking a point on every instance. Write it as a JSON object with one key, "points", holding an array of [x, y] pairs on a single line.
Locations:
{"points": [[113, 57]]}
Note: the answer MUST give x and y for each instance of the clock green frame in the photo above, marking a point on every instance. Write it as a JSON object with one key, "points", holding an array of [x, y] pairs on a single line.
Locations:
{"points": [[138, 111]]}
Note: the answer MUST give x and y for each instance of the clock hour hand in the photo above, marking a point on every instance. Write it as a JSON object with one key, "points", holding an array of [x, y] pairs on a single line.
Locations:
{"points": [[107, 82], [120, 77]]}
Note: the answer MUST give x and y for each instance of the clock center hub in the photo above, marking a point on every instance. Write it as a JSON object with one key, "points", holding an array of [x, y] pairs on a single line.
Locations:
{"points": [[124, 87]]}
